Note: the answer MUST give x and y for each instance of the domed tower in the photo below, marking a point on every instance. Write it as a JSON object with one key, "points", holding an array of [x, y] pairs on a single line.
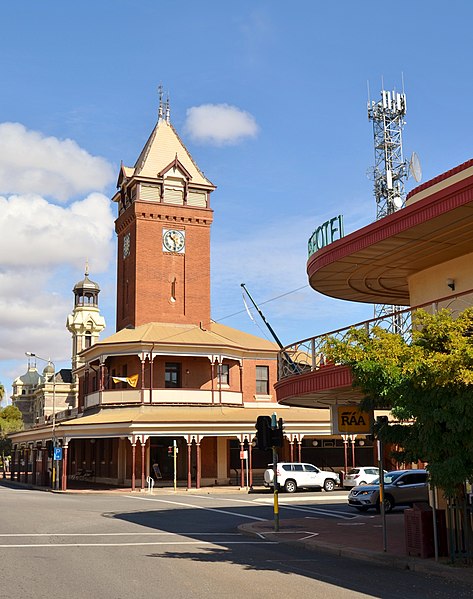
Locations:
{"points": [[85, 323]]}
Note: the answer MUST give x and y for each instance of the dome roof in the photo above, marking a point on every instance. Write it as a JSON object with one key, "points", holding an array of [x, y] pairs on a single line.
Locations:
{"points": [[87, 285], [31, 378], [48, 369]]}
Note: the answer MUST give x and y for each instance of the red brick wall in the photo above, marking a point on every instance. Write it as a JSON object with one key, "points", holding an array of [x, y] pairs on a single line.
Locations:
{"points": [[144, 278]]}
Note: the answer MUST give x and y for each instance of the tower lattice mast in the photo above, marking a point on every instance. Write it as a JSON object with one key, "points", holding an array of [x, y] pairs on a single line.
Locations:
{"points": [[389, 172]]}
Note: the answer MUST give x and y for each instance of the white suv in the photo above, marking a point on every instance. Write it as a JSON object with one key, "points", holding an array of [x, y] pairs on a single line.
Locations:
{"points": [[294, 475], [362, 475]]}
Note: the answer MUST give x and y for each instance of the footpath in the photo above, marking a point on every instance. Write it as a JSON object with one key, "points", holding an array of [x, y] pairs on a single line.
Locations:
{"points": [[358, 538]]}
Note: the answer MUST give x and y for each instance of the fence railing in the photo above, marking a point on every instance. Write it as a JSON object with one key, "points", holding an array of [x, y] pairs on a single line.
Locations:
{"points": [[307, 355]]}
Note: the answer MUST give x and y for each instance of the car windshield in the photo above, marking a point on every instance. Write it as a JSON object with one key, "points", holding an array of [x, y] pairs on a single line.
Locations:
{"points": [[389, 477]]}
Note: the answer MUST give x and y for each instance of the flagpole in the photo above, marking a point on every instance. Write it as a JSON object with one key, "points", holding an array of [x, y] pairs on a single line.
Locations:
{"points": [[270, 328], [293, 365]]}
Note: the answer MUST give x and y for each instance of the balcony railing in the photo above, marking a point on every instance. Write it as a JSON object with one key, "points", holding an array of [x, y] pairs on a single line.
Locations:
{"points": [[163, 397], [307, 355]]}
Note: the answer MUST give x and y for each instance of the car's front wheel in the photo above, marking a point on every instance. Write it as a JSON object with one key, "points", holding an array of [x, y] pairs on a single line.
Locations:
{"points": [[290, 486], [329, 484], [388, 504]]}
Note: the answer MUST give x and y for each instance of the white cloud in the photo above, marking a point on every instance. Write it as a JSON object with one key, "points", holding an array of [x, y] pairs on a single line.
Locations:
{"points": [[33, 163], [42, 248], [37, 233], [220, 124], [43, 245]]}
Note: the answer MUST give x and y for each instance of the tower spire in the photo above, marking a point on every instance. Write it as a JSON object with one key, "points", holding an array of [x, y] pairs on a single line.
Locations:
{"points": [[160, 107], [168, 110]]}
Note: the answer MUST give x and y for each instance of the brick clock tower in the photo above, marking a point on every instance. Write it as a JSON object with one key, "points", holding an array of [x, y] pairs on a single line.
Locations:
{"points": [[163, 230]]}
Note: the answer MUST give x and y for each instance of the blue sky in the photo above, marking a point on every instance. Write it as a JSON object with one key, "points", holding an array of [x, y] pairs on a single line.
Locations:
{"points": [[79, 95]]}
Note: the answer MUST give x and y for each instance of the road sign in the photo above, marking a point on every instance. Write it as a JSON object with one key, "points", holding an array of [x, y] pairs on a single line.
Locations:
{"points": [[58, 454], [349, 419]]}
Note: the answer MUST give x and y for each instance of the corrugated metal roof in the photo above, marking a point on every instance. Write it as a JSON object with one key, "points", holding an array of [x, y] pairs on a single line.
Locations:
{"points": [[214, 334], [189, 414]]}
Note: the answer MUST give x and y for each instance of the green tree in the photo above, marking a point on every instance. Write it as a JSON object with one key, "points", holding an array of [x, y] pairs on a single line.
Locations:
{"points": [[427, 384], [11, 421]]}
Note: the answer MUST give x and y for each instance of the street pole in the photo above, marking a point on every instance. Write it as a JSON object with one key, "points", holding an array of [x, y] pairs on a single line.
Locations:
{"points": [[274, 425], [54, 477], [174, 452], [381, 492], [382, 423], [55, 463]]}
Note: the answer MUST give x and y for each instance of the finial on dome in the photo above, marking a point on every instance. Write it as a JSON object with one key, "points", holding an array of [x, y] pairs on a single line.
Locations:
{"points": [[86, 267]]}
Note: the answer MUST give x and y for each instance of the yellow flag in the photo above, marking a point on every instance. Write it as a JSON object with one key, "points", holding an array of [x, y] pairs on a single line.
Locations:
{"points": [[131, 380]]}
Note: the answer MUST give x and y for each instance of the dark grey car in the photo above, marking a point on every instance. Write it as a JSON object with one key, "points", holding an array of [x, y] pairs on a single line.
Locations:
{"points": [[401, 487]]}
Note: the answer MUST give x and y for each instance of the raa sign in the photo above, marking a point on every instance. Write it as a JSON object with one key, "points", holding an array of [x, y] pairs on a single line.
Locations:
{"points": [[351, 420]]}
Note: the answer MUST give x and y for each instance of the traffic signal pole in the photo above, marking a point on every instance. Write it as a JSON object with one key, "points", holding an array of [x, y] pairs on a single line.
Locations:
{"points": [[270, 435], [274, 426]]}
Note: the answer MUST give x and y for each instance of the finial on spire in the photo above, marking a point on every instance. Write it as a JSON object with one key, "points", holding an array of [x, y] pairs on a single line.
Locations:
{"points": [[86, 267], [160, 108], [168, 110]]}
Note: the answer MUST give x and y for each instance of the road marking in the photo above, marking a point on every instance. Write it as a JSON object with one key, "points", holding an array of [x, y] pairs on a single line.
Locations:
{"points": [[119, 534], [321, 512], [198, 507], [298, 498], [152, 544], [310, 509]]}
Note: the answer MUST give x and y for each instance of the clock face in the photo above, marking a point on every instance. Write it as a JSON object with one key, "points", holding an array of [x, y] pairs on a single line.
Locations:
{"points": [[174, 241], [126, 245]]}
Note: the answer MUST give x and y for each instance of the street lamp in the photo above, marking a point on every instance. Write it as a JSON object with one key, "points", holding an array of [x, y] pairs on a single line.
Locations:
{"points": [[55, 479]]}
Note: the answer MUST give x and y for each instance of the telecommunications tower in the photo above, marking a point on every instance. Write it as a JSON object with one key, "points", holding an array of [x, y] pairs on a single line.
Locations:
{"points": [[390, 172], [390, 169]]}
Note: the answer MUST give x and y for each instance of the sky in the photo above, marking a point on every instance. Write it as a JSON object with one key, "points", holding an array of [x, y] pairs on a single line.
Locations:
{"points": [[270, 100]]}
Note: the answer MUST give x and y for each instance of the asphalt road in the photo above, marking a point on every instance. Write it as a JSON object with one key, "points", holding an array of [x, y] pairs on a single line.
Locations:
{"points": [[179, 546]]}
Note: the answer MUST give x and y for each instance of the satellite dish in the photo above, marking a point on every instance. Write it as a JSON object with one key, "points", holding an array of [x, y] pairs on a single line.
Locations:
{"points": [[397, 201], [415, 168]]}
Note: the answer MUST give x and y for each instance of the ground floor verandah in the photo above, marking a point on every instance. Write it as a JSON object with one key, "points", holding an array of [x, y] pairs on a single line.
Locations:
{"points": [[126, 447]]}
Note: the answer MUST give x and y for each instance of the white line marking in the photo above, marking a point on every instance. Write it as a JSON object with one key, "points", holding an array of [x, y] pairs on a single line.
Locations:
{"points": [[320, 511], [138, 544], [299, 497], [198, 507], [120, 534], [312, 510]]}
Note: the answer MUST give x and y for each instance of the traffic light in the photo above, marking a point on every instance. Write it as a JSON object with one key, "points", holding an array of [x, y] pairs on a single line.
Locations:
{"points": [[380, 425], [170, 451], [268, 437], [277, 434], [263, 434]]}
